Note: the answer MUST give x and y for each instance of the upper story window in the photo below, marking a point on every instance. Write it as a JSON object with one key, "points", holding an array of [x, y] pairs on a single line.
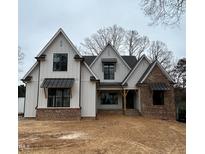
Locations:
{"points": [[158, 97], [109, 71], [60, 61]]}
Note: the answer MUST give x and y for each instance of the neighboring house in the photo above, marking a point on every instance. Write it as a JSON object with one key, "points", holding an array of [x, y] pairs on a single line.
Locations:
{"points": [[63, 84]]}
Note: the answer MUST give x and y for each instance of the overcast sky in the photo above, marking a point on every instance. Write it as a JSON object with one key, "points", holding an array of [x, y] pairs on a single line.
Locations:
{"points": [[40, 19]]}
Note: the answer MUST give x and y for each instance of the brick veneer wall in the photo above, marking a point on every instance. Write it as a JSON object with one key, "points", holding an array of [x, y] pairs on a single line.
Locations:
{"points": [[58, 114], [166, 111]]}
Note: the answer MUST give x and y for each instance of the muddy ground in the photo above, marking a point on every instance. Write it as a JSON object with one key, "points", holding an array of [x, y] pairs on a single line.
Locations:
{"points": [[109, 134]]}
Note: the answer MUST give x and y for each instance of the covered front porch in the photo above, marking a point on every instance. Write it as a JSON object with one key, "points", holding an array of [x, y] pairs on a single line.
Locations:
{"points": [[118, 100]]}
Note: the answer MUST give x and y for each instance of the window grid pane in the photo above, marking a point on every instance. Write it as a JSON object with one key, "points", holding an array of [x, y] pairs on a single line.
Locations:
{"points": [[109, 98], [109, 71], [58, 97], [60, 62]]}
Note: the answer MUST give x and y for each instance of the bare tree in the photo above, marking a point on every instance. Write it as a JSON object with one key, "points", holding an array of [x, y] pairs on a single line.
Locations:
{"points": [[135, 44], [21, 56], [124, 41], [99, 40], [159, 51], [131, 41], [166, 12]]}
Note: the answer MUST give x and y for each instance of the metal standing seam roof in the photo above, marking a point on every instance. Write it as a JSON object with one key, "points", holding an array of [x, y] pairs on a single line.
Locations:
{"points": [[57, 83], [159, 86], [110, 83], [111, 60]]}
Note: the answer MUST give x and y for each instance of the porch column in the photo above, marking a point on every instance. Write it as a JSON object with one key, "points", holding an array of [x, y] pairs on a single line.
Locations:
{"points": [[124, 100]]}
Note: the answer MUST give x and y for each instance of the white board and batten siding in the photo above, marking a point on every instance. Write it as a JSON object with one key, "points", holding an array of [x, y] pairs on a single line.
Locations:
{"points": [[138, 72], [88, 94], [121, 69], [21, 105], [60, 45], [31, 94]]}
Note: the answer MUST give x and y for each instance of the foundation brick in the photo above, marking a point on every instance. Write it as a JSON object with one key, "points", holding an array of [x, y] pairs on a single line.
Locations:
{"points": [[58, 114]]}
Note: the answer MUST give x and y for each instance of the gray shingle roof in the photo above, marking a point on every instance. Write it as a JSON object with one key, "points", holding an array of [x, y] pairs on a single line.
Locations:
{"points": [[130, 60], [57, 83], [89, 59]]}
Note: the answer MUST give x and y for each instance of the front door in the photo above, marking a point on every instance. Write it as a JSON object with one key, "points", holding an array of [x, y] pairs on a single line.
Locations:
{"points": [[130, 99]]}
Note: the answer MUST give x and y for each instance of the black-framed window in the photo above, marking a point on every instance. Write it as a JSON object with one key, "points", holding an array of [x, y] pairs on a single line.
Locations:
{"points": [[109, 71], [60, 61], [158, 97], [58, 97], [108, 98]]}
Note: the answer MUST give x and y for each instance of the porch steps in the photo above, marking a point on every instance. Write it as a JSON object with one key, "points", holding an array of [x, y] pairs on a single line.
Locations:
{"points": [[109, 112], [128, 112], [132, 112]]}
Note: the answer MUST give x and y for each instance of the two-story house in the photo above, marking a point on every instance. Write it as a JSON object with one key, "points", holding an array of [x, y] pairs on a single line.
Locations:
{"points": [[63, 84]]}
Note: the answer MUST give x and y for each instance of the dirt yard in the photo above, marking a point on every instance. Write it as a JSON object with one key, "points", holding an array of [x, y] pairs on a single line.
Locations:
{"points": [[109, 134]]}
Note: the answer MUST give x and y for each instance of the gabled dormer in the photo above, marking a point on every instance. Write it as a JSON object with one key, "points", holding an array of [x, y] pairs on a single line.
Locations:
{"points": [[109, 66]]}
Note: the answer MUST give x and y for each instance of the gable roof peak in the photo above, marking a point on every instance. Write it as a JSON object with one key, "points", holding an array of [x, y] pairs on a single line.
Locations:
{"points": [[151, 67], [60, 30], [115, 50]]}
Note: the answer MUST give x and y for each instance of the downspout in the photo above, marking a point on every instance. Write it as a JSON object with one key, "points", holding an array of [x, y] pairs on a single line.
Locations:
{"points": [[38, 85]]}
